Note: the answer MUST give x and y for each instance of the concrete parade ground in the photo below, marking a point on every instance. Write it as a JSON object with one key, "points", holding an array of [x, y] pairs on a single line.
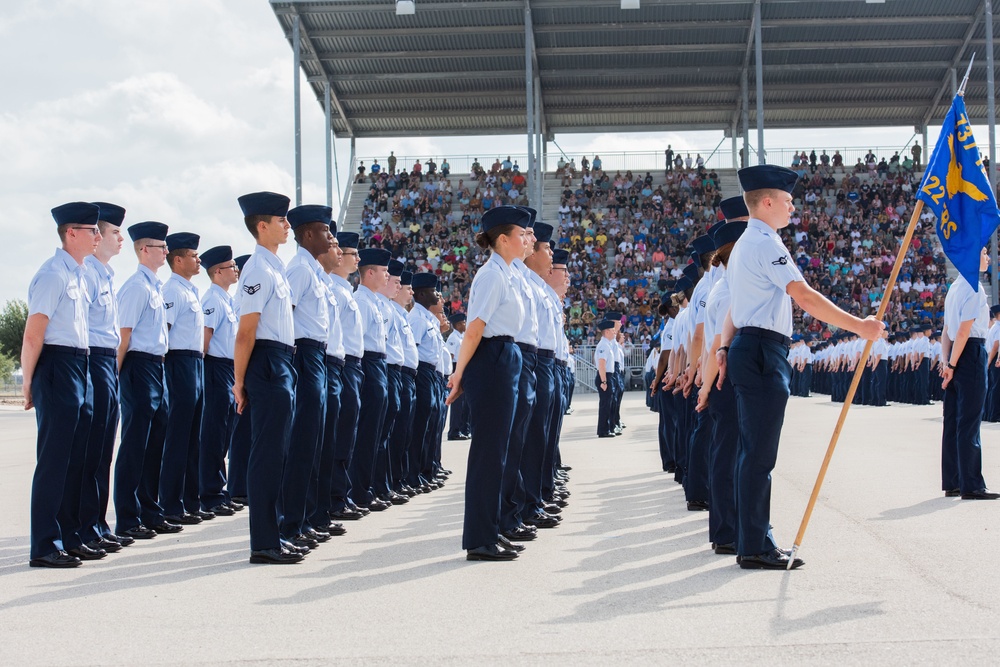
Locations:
{"points": [[895, 572]]}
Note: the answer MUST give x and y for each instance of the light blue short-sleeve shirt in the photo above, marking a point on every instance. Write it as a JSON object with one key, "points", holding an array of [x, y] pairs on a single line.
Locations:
{"points": [[310, 297], [185, 315], [494, 299], [394, 336], [140, 308], [59, 291], [349, 316], [102, 319], [411, 356], [264, 289], [760, 269], [963, 304], [426, 334], [220, 317]]}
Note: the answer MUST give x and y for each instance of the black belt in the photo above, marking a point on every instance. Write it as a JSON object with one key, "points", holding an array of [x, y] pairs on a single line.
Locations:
{"points": [[375, 355], [309, 342], [426, 365], [547, 354], [185, 353], [560, 362], [275, 345], [412, 372], [500, 339], [981, 341], [144, 355], [525, 347], [66, 349], [351, 358], [396, 367], [219, 360], [336, 361], [764, 333], [104, 351]]}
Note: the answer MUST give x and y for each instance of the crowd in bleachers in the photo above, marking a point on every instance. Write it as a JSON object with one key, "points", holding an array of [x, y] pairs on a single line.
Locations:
{"points": [[627, 232]]}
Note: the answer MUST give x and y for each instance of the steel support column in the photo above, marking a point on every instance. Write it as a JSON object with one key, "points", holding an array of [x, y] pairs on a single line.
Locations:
{"points": [[329, 145], [992, 113], [745, 86], [759, 68], [296, 59], [538, 146], [529, 89]]}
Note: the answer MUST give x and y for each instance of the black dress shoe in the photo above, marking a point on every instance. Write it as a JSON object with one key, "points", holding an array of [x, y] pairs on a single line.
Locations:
{"points": [[725, 549], [605, 435], [952, 493], [235, 506], [697, 506], [565, 468], [57, 559], [222, 510], [83, 552], [507, 544], [397, 499], [379, 506], [241, 500], [346, 514], [318, 535], [554, 510], [363, 510], [490, 552], [776, 559], [303, 540], [204, 515], [541, 520], [183, 519], [446, 471], [123, 540], [140, 532], [274, 557], [335, 529], [288, 546], [167, 527], [105, 545], [982, 494], [520, 534]]}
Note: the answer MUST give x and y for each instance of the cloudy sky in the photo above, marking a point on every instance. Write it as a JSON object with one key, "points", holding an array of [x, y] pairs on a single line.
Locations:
{"points": [[173, 108]]}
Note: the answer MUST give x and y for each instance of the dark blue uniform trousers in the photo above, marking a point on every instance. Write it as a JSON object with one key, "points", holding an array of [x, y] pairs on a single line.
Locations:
{"points": [[144, 423], [352, 376], [725, 443], [491, 387], [459, 418], [665, 403], [681, 432], [270, 386], [424, 422], [94, 492], [699, 444], [217, 426], [304, 446], [319, 501], [512, 487], [442, 421], [374, 397], [537, 445], [605, 396], [759, 370], [179, 468], [239, 453], [59, 390], [550, 461], [401, 437], [381, 476], [961, 447]]}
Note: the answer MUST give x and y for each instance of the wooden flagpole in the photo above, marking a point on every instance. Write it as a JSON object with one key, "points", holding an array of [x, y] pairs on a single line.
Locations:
{"points": [[886, 297]]}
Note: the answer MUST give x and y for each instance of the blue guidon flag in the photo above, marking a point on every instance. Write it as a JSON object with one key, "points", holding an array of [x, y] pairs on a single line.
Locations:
{"points": [[957, 189]]}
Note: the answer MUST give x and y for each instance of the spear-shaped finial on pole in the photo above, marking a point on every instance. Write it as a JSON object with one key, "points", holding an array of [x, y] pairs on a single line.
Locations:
{"points": [[965, 79]]}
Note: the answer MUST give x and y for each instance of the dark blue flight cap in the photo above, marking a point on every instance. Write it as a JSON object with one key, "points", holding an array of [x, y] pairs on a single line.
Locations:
{"points": [[348, 239], [264, 203], [182, 241], [424, 280], [303, 215], [730, 232], [714, 229], [560, 256], [113, 214], [374, 257], [684, 283], [148, 230], [613, 315], [455, 318], [216, 255], [994, 310], [241, 261], [405, 278], [604, 325], [927, 328], [543, 232], [395, 267], [701, 245], [665, 297], [691, 272], [76, 213], [505, 215], [532, 212], [767, 176], [734, 207]]}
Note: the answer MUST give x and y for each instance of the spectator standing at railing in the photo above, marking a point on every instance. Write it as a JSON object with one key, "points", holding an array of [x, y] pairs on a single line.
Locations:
{"points": [[360, 178], [392, 162]]}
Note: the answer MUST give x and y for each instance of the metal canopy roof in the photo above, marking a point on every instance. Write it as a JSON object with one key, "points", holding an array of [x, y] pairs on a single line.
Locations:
{"points": [[458, 67]]}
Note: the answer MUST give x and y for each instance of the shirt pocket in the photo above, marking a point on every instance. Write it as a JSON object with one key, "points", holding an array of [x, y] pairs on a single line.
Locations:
{"points": [[73, 291], [155, 300], [282, 290]]}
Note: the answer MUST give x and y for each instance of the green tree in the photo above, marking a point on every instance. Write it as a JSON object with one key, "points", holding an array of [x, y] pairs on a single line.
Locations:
{"points": [[6, 368], [12, 320]]}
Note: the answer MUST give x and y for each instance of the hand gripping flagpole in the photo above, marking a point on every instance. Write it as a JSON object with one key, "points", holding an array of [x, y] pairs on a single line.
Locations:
{"points": [[862, 362]]}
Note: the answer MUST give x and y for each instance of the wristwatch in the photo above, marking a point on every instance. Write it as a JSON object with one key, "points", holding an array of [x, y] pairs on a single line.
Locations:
{"points": [[950, 366]]}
